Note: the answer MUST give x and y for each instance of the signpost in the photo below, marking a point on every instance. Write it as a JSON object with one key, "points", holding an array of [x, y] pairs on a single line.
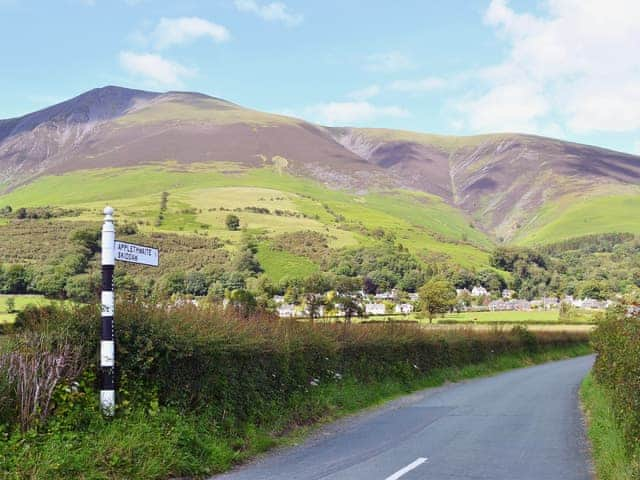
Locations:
{"points": [[132, 253], [113, 250]]}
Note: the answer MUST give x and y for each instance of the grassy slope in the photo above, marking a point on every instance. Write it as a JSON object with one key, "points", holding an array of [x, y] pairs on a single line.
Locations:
{"points": [[135, 194], [572, 216], [610, 456]]}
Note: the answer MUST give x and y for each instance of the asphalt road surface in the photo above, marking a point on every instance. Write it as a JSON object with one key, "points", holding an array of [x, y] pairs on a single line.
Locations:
{"points": [[524, 424]]}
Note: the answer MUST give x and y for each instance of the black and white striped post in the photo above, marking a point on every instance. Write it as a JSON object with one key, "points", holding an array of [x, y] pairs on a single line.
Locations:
{"points": [[107, 337]]}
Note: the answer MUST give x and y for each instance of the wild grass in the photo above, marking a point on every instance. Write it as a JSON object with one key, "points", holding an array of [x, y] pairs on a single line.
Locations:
{"points": [[611, 456]]}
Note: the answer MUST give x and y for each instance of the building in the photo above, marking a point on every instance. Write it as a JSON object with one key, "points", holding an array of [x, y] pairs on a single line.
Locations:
{"points": [[403, 308], [508, 294], [375, 309], [479, 291], [287, 310], [320, 311], [278, 299], [549, 303], [509, 305], [462, 291], [386, 295]]}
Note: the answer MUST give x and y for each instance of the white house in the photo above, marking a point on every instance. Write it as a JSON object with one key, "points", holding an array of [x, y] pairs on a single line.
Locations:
{"points": [[320, 311], [287, 310], [386, 295], [462, 291], [403, 308], [479, 291], [278, 299], [506, 293], [375, 309]]}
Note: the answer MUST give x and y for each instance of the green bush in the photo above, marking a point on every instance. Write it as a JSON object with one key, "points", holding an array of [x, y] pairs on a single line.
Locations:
{"points": [[245, 367], [617, 368]]}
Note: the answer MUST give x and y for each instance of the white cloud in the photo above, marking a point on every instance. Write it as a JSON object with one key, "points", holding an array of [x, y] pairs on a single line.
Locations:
{"points": [[181, 30], [509, 107], [155, 69], [388, 62], [365, 93], [347, 113], [572, 63], [417, 86], [272, 12]]}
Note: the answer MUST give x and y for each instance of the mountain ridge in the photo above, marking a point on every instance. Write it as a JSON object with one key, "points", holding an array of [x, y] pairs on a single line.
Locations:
{"points": [[502, 181]]}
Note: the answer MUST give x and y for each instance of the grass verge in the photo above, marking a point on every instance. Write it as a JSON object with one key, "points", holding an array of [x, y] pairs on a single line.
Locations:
{"points": [[158, 443], [610, 453]]}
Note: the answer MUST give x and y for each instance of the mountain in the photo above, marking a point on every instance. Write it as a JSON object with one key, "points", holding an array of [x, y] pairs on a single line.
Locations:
{"points": [[512, 187]]}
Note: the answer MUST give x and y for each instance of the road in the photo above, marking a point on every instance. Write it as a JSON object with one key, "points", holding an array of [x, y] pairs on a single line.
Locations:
{"points": [[524, 424]]}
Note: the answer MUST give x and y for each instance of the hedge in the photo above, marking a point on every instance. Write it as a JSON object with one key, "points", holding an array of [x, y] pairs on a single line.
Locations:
{"points": [[247, 369], [617, 343]]}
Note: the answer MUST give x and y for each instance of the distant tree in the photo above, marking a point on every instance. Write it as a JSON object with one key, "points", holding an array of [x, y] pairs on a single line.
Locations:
{"points": [[596, 289], [369, 285], [437, 296], [21, 213], [175, 283], [232, 221], [314, 303], [81, 288], [196, 283], [16, 279], [11, 304], [88, 238], [350, 306], [243, 302]]}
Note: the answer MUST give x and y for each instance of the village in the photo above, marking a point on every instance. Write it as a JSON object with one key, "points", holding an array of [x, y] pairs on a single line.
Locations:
{"points": [[395, 302]]}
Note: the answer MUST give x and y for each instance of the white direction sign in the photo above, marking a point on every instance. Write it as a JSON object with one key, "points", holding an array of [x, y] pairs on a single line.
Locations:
{"points": [[132, 253]]}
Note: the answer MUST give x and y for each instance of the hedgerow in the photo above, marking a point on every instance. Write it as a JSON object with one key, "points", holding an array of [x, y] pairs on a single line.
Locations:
{"points": [[617, 343], [193, 358]]}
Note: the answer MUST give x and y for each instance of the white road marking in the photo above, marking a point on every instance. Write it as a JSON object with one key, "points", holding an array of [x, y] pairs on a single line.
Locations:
{"points": [[407, 469]]}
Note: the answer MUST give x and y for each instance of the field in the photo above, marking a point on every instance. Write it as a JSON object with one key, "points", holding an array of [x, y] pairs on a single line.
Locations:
{"points": [[21, 301], [201, 196], [572, 217]]}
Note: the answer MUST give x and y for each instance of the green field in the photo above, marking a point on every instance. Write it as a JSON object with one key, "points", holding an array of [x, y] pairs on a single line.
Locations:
{"points": [[531, 316], [573, 217], [200, 197], [21, 301]]}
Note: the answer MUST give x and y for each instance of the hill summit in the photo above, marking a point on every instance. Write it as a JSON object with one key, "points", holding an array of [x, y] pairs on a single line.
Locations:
{"points": [[509, 185]]}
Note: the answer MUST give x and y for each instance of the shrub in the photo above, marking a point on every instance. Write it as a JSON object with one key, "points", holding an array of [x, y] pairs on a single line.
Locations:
{"points": [[232, 222], [30, 373], [617, 368]]}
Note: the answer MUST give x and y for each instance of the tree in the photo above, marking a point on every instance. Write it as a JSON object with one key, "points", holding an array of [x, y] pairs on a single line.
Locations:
{"points": [[81, 288], [196, 283], [437, 296], [243, 301], [11, 304], [175, 283], [314, 303], [232, 221], [350, 307]]}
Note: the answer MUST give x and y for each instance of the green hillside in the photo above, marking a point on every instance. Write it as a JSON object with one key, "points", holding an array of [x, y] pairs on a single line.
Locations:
{"points": [[268, 203], [578, 216]]}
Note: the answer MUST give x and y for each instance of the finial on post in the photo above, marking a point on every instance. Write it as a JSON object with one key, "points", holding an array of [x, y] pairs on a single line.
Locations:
{"points": [[108, 213]]}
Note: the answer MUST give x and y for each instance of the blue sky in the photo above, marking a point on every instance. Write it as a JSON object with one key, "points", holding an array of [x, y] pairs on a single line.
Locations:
{"points": [[562, 68]]}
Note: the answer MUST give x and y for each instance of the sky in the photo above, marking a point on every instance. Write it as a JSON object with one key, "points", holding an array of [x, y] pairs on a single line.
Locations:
{"points": [[563, 68]]}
